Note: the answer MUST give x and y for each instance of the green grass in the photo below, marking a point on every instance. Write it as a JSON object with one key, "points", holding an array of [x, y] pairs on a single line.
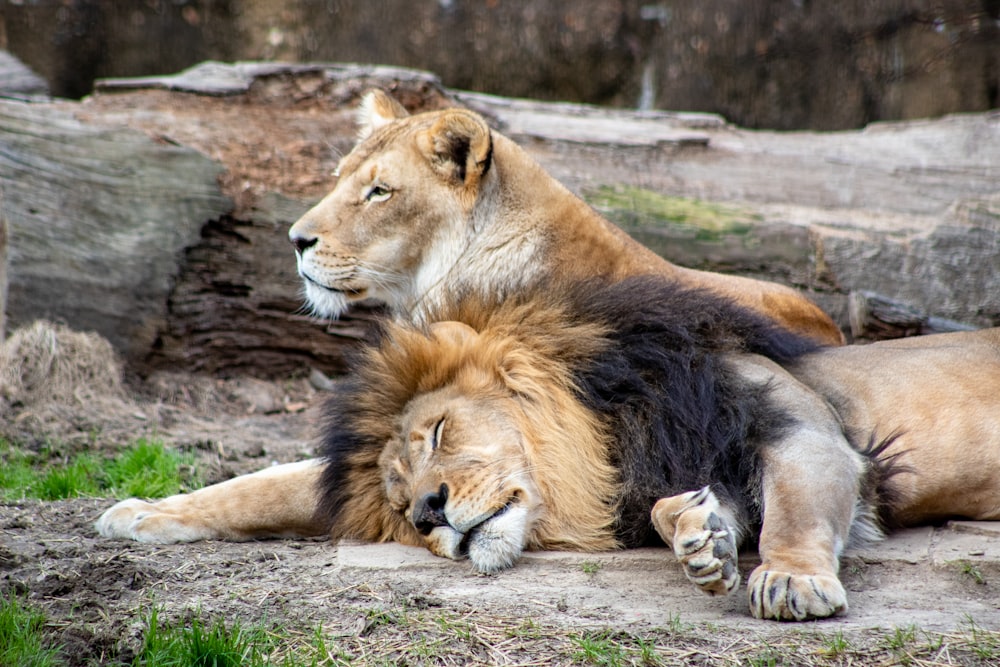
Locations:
{"points": [[637, 207], [146, 469], [598, 649], [22, 640], [972, 572], [200, 644], [835, 645]]}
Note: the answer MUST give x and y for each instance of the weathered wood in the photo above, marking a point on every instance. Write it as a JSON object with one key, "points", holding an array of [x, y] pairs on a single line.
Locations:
{"points": [[237, 307], [874, 317], [3, 271], [909, 209]]}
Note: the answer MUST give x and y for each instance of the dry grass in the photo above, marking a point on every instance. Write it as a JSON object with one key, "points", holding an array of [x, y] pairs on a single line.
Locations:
{"points": [[50, 363], [56, 383]]}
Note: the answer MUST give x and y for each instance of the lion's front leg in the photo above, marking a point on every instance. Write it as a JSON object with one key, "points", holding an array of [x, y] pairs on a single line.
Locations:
{"points": [[810, 486], [704, 539], [809, 495], [275, 502]]}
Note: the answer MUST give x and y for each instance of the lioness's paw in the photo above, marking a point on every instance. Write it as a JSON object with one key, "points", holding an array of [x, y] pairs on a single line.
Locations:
{"points": [[795, 597], [138, 520], [702, 541]]}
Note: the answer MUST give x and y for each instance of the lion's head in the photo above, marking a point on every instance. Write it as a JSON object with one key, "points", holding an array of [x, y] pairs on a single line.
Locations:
{"points": [[398, 215], [449, 437]]}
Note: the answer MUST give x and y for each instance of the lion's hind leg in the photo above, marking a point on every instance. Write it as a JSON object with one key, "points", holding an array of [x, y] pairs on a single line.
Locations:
{"points": [[703, 537]]}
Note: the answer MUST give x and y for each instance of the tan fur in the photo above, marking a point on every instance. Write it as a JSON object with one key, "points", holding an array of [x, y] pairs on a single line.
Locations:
{"points": [[465, 207], [940, 395]]}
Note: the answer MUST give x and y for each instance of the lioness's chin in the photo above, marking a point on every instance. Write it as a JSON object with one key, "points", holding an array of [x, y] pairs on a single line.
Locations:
{"points": [[325, 302]]}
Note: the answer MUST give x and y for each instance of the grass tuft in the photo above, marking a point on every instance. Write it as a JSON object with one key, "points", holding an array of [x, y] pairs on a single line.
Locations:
{"points": [[203, 645], [146, 469], [22, 640], [598, 649]]}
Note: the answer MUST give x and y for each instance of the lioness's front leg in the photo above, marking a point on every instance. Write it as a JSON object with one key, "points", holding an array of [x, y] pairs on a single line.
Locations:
{"points": [[279, 501], [704, 539], [810, 487]]}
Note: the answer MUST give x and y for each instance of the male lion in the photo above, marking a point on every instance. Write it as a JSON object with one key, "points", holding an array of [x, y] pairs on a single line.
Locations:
{"points": [[598, 415], [433, 203]]}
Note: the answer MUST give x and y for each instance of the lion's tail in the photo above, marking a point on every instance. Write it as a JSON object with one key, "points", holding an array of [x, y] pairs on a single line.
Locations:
{"points": [[879, 498]]}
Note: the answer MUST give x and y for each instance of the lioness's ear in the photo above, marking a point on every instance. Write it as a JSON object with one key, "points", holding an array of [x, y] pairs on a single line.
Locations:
{"points": [[452, 332], [459, 146], [377, 109]]}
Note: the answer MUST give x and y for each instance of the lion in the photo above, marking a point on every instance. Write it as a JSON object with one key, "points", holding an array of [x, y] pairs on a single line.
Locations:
{"points": [[433, 203], [605, 414]]}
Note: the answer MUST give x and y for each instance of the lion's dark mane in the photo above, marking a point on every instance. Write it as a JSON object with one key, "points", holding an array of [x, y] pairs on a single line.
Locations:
{"points": [[681, 419], [679, 416]]}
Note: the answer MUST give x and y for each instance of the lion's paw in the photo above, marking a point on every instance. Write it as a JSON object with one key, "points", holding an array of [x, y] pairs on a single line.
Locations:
{"points": [[135, 519], [795, 597], [705, 545]]}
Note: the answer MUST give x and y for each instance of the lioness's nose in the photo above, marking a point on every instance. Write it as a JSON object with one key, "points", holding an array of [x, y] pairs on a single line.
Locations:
{"points": [[428, 511], [301, 241]]}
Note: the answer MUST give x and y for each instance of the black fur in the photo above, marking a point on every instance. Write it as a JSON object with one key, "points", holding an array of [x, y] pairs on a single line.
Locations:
{"points": [[680, 418], [341, 445], [458, 153], [876, 488]]}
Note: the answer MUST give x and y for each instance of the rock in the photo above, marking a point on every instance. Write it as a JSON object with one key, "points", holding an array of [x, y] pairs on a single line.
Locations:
{"points": [[17, 79], [99, 217], [761, 63]]}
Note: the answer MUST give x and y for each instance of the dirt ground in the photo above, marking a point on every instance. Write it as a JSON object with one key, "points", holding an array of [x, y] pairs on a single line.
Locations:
{"points": [[938, 586]]}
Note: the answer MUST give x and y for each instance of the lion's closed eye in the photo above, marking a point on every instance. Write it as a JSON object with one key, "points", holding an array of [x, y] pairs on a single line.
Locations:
{"points": [[438, 436]]}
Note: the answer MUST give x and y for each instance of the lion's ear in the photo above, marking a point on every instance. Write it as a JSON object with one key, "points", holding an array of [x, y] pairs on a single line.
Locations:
{"points": [[456, 333], [377, 108], [459, 146]]}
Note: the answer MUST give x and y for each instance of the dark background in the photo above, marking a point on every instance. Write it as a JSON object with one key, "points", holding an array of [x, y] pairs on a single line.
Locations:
{"points": [[782, 64]]}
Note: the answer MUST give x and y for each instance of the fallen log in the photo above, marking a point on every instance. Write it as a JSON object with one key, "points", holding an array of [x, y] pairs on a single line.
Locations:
{"points": [[874, 317]]}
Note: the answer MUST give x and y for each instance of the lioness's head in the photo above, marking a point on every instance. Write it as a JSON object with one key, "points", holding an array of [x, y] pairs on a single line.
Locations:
{"points": [[469, 440], [398, 210]]}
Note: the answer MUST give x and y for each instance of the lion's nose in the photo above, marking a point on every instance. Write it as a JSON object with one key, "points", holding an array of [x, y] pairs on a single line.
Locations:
{"points": [[428, 512], [301, 241]]}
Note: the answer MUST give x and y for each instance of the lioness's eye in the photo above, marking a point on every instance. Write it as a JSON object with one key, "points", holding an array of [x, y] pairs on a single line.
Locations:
{"points": [[378, 193], [438, 431]]}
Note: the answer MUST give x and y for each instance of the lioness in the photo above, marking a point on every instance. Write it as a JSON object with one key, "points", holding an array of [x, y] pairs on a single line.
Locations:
{"points": [[438, 202], [587, 416]]}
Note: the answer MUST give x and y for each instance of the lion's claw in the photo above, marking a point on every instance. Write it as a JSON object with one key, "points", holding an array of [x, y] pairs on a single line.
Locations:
{"points": [[794, 597]]}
